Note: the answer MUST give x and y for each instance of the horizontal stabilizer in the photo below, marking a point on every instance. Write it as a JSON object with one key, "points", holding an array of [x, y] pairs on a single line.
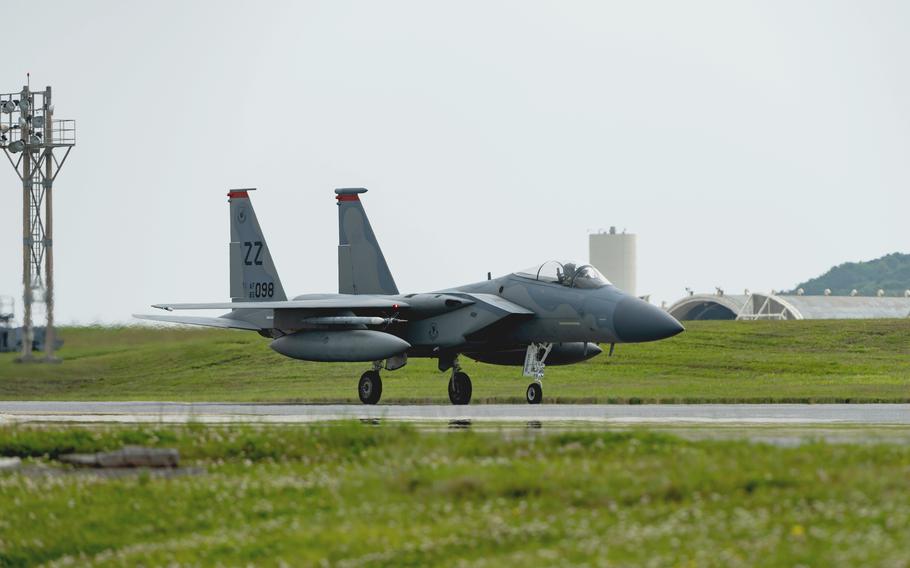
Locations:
{"points": [[226, 323], [348, 302]]}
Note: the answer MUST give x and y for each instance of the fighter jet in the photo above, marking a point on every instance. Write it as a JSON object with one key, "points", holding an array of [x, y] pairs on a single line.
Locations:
{"points": [[552, 314]]}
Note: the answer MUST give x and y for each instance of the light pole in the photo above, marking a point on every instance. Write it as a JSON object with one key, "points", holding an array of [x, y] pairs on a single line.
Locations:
{"points": [[29, 134]]}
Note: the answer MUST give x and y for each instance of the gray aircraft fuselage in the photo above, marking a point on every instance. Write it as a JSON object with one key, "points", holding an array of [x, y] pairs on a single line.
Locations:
{"points": [[448, 322]]}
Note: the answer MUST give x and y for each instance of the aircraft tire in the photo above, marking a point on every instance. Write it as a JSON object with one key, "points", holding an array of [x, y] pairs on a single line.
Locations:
{"points": [[460, 388], [370, 387], [535, 393]]}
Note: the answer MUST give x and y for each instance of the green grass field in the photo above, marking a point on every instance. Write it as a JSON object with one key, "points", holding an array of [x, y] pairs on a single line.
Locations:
{"points": [[391, 495], [794, 361]]}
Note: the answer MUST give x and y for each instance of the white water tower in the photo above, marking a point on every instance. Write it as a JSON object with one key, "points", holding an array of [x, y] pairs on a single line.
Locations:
{"points": [[613, 254]]}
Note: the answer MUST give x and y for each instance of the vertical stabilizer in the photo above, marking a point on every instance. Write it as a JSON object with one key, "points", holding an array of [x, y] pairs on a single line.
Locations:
{"points": [[253, 274], [361, 266]]}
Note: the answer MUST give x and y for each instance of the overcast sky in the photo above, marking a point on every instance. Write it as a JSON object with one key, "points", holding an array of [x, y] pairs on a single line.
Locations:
{"points": [[747, 144]]}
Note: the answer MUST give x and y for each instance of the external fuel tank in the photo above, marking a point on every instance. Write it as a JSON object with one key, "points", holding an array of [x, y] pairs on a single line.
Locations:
{"points": [[342, 345]]}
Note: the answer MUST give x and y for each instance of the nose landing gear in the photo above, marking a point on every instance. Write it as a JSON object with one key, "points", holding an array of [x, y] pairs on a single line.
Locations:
{"points": [[534, 367], [534, 394]]}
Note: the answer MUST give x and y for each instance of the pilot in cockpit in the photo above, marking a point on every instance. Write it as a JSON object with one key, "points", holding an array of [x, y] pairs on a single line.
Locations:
{"points": [[567, 274]]}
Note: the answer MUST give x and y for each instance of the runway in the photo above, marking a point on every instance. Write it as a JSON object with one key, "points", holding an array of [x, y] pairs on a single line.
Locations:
{"points": [[657, 414]]}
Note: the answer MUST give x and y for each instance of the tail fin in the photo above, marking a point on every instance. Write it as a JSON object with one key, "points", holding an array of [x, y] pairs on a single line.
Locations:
{"points": [[361, 267], [253, 274]]}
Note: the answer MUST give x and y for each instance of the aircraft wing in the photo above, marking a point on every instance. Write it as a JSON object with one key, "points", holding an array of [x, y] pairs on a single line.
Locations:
{"points": [[208, 322], [340, 303], [509, 308]]}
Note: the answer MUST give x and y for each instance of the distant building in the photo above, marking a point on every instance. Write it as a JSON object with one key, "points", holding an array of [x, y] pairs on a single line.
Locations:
{"points": [[773, 306], [7, 334], [11, 339], [613, 254]]}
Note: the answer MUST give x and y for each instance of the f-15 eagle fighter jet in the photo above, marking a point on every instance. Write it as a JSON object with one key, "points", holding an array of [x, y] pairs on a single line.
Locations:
{"points": [[552, 314]]}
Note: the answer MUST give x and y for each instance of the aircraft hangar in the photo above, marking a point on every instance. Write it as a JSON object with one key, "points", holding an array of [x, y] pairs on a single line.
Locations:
{"points": [[772, 306]]}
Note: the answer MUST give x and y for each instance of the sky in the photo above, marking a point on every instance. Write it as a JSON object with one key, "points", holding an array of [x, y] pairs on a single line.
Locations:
{"points": [[748, 144]]}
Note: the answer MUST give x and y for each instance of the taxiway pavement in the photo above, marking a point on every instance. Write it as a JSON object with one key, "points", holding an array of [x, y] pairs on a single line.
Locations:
{"points": [[211, 412]]}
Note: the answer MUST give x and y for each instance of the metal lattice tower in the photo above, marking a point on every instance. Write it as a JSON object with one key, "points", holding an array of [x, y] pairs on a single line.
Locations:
{"points": [[29, 134]]}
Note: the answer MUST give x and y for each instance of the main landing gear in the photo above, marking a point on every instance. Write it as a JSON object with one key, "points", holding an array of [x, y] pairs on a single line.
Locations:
{"points": [[370, 386], [369, 389], [460, 387], [534, 367]]}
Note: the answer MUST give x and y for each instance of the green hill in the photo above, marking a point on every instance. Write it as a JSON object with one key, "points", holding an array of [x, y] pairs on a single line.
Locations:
{"points": [[890, 273]]}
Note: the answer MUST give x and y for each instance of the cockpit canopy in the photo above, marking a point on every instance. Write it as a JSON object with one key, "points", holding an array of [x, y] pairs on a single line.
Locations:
{"points": [[570, 274]]}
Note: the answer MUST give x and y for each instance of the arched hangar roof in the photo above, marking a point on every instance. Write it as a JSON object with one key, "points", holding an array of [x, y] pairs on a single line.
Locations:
{"points": [[775, 306], [708, 307], [848, 307]]}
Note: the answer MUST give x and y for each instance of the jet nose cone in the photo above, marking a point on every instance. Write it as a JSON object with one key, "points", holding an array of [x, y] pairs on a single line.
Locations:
{"points": [[635, 321]]}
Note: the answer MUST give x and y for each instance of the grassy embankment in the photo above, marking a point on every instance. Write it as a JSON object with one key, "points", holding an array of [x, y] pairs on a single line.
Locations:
{"points": [[797, 361], [389, 495]]}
